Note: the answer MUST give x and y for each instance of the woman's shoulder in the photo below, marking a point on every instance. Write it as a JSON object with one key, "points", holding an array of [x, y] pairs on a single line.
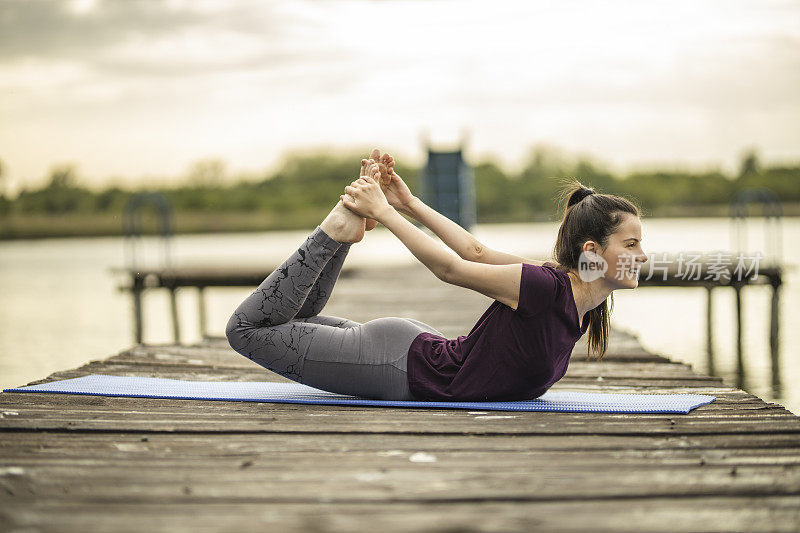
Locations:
{"points": [[535, 262], [541, 286], [540, 263], [546, 266]]}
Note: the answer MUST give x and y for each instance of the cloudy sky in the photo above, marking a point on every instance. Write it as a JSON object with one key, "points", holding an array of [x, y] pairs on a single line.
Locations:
{"points": [[134, 90]]}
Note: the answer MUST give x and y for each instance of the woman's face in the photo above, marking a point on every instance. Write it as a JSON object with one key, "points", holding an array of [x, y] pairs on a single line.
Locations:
{"points": [[623, 253]]}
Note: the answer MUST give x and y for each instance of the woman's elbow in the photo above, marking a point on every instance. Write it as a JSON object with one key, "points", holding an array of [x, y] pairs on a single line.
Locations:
{"points": [[445, 272], [475, 252]]}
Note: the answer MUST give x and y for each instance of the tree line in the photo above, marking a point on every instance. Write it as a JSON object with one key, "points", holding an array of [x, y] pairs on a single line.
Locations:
{"points": [[312, 183]]}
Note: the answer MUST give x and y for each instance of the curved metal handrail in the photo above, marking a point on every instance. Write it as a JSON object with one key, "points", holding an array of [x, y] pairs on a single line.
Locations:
{"points": [[132, 225], [771, 210]]}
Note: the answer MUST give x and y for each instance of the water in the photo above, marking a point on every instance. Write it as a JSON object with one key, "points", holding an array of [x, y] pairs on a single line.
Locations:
{"points": [[60, 306]]}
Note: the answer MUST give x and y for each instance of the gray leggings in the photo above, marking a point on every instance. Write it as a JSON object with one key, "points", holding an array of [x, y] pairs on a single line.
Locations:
{"points": [[279, 327]]}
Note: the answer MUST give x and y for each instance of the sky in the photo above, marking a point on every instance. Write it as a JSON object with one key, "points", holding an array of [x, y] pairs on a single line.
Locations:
{"points": [[136, 91]]}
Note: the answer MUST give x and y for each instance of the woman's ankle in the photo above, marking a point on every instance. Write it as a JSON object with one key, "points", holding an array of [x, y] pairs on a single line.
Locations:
{"points": [[342, 225]]}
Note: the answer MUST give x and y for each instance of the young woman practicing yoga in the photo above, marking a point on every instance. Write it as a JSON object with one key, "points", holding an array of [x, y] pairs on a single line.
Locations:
{"points": [[517, 349]]}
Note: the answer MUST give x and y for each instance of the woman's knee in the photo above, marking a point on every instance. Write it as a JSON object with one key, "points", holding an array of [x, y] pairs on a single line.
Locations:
{"points": [[234, 330], [248, 338], [280, 349]]}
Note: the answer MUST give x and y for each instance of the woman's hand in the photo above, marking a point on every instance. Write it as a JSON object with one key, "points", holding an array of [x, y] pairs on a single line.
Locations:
{"points": [[364, 196], [397, 192], [394, 188]]}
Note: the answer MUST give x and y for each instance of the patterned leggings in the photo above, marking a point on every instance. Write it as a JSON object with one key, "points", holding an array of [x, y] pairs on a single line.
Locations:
{"points": [[279, 327]]}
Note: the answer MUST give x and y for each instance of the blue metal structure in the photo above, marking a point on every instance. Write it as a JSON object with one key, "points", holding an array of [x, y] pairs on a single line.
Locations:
{"points": [[447, 184]]}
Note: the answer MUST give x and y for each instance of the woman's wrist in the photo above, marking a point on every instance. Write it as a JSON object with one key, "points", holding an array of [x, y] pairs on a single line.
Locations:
{"points": [[410, 207], [387, 211]]}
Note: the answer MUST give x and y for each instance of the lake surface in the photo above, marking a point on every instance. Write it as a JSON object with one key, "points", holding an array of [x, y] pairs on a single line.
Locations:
{"points": [[61, 309]]}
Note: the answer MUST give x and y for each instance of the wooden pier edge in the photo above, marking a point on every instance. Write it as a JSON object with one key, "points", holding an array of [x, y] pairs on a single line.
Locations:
{"points": [[78, 463]]}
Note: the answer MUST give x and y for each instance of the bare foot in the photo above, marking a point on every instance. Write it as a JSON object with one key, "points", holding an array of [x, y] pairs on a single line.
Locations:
{"points": [[342, 225], [365, 163], [385, 164]]}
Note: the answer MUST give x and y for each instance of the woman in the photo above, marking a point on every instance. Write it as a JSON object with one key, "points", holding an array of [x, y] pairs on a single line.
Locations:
{"points": [[517, 349]]}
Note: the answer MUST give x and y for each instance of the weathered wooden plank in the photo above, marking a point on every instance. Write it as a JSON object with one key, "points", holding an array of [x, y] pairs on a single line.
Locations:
{"points": [[27, 449], [475, 460], [741, 514], [344, 478], [47, 442], [328, 418], [259, 417]]}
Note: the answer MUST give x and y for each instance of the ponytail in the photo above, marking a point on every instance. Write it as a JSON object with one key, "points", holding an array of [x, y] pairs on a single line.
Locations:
{"points": [[589, 216]]}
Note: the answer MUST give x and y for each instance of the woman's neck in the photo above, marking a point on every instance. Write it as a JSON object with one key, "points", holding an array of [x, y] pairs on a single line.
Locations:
{"points": [[587, 295]]}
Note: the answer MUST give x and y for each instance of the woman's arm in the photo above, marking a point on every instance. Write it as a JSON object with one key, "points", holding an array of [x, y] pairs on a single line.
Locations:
{"points": [[429, 252], [457, 238], [398, 195], [454, 236], [365, 197], [500, 282]]}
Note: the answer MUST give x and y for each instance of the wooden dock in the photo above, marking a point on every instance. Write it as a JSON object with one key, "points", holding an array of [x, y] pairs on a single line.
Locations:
{"points": [[90, 463], [663, 270]]}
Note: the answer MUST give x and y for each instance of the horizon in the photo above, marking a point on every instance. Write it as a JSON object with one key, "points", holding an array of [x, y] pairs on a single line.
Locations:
{"points": [[228, 179]]}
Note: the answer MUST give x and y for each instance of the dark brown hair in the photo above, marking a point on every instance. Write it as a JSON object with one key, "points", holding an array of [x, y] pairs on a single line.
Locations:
{"points": [[589, 216]]}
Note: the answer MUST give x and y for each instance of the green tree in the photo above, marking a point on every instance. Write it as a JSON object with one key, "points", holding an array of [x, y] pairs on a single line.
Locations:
{"points": [[5, 203], [207, 173], [749, 165], [495, 193]]}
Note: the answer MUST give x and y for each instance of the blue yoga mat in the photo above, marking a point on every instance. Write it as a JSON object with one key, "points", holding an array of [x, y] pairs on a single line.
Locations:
{"points": [[262, 391]]}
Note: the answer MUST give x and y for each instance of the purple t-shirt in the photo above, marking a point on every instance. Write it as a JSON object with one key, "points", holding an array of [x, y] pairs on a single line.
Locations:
{"points": [[510, 354]]}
